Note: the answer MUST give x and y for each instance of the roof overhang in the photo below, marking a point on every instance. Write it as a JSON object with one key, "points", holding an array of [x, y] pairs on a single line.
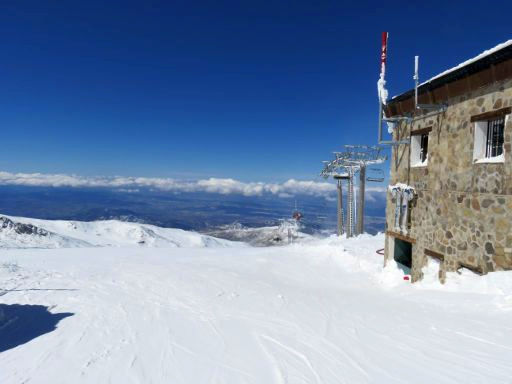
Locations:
{"points": [[485, 69]]}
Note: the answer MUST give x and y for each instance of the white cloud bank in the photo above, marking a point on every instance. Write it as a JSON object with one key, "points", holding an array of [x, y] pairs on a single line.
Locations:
{"points": [[289, 188]]}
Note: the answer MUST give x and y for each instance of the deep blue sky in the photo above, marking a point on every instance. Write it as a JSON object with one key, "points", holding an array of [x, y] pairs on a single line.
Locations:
{"points": [[253, 90]]}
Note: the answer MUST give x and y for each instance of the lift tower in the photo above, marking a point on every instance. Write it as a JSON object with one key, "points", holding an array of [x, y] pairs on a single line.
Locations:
{"points": [[354, 159]]}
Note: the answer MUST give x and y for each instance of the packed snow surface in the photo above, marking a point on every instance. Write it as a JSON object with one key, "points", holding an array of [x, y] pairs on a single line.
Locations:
{"points": [[324, 311]]}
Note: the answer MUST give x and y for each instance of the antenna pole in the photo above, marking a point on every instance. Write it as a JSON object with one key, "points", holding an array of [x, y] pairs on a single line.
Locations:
{"points": [[439, 107], [416, 81]]}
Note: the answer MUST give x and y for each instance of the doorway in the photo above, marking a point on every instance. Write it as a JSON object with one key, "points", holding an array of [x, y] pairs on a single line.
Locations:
{"points": [[403, 254]]}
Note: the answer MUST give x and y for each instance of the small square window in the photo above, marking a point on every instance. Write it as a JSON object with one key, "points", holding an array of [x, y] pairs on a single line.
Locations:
{"points": [[424, 147], [419, 150], [494, 142], [489, 139]]}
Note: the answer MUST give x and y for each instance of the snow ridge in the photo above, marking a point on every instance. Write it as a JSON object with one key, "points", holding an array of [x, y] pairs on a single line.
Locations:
{"points": [[19, 232]]}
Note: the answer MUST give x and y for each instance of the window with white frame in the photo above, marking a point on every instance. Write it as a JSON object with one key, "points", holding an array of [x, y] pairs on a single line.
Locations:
{"points": [[419, 147], [489, 139]]}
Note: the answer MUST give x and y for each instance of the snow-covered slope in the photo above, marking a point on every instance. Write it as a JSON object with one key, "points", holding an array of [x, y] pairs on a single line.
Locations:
{"points": [[289, 231], [324, 311], [19, 232]]}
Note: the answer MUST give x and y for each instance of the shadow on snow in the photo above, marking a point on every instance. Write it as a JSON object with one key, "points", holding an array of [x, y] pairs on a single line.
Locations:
{"points": [[21, 323]]}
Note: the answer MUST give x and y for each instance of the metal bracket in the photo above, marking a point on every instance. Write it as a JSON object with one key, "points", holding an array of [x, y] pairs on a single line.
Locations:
{"points": [[396, 119], [408, 119], [394, 143]]}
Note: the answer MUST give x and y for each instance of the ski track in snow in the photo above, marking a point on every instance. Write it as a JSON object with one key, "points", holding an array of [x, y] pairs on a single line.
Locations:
{"points": [[321, 312]]}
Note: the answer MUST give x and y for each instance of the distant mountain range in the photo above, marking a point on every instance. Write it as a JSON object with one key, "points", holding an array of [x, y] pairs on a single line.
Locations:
{"points": [[19, 232], [201, 212]]}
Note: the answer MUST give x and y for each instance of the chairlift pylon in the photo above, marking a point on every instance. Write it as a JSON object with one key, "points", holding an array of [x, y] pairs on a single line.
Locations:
{"points": [[354, 159]]}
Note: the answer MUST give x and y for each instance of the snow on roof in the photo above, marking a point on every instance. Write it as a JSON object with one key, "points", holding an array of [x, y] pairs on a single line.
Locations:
{"points": [[467, 62]]}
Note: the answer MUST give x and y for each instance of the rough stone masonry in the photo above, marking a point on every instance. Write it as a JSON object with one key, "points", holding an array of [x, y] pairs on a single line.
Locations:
{"points": [[462, 212]]}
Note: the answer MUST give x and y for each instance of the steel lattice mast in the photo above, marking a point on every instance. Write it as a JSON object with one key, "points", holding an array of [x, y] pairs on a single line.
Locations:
{"points": [[332, 169], [350, 206], [354, 159]]}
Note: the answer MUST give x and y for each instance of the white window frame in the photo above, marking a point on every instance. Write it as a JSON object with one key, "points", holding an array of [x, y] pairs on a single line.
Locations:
{"points": [[480, 143], [415, 158]]}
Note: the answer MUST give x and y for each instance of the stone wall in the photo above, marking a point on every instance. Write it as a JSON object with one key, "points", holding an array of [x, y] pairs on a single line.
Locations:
{"points": [[463, 209]]}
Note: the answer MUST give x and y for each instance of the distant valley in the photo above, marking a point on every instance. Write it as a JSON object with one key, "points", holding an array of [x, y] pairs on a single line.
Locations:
{"points": [[203, 212]]}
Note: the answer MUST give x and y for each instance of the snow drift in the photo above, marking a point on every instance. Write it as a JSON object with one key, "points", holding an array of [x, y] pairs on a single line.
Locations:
{"points": [[288, 231]]}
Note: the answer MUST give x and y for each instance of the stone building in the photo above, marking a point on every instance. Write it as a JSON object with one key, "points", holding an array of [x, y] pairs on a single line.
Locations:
{"points": [[459, 164]]}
